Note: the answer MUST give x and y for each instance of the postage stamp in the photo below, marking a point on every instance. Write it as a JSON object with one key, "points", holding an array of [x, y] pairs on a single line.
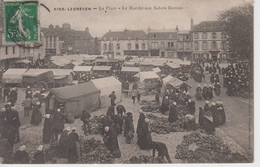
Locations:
{"points": [[21, 21]]}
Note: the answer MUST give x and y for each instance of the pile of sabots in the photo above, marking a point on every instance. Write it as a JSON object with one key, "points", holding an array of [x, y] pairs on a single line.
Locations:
{"points": [[202, 148]]}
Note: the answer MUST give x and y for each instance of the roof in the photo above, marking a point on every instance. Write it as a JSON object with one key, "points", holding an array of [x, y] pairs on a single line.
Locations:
{"points": [[162, 35], [82, 68], [60, 61], [147, 75], [23, 61], [105, 82], [175, 82], [146, 63], [157, 70], [102, 68], [75, 91], [36, 72], [125, 35], [107, 60], [56, 72], [130, 69], [184, 32], [173, 65], [208, 26], [13, 75]]}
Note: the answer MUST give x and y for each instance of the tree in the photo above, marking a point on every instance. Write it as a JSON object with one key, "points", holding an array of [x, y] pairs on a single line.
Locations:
{"points": [[237, 24]]}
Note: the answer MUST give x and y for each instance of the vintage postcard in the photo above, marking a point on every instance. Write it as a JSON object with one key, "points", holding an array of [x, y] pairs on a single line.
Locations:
{"points": [[126, 82]]}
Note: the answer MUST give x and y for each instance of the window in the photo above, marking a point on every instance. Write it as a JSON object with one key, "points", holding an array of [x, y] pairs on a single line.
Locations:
{"points": [[105, 46], [13, 49], [205, 46], [171, 45], [204, 35], [117, 39], [223, 45], [6, 50], [111, 47], [162, 45], [143, 46], [180, 45], [111, 38], [187, 37], [154, 45], [214, 46], [170, 35], [223, 36], [136, 46], [54, 42], [214, 35], [154, 35], [196, 46], [187, 46], [136, 39], [118, 53], [196, 36], [129, 46], [117, 46]]}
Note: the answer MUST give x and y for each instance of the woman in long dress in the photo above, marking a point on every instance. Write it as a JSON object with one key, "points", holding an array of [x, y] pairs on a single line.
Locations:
{"points": [[36, 118]]}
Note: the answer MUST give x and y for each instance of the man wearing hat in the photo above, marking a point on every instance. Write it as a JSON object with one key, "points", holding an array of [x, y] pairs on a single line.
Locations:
{"points": [[191, 106], [129, 127], [139, 126], [38, 157], [205, 92], [15, 123], [113, 98], [27, 104], [6, 92], [85, 119], [118, 123], [13, 96], [21, 156], [73, 138], [213, 109]]}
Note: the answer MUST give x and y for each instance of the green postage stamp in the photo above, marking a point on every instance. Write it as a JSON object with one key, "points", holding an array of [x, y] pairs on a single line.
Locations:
{"points": [[21, 21]]}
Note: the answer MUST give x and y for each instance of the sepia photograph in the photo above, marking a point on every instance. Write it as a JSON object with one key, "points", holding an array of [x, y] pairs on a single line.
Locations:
{"points": [[127, 82]]}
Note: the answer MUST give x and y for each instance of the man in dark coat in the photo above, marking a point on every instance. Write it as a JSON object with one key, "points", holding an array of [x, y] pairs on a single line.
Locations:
{"points": [[73, 138], [57, 123], [210, 92], [213, 109], [110, 139], [15, 123], [162, 150], [198, 94], [39, 156], [165, 105], [201, 114], [47, 131], [120, 110], [110, 112], [129, 127], [140, 123], [6, 93], [36, 118], [173, 116], [206, 106], [63, 142], [85, 119], [13, 97], [208, 122], [145, 138], [205, 92], [105, 121], [221, 112], [113, 98], [21, 156], [118, 123], [191, 106], [157, 98]]}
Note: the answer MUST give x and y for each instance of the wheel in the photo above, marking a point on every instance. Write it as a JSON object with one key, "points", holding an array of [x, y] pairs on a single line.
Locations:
{"points": [[40, 85]]}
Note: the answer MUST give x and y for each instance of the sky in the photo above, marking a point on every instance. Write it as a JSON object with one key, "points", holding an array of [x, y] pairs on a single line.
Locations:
{"points": [[101, 21]]}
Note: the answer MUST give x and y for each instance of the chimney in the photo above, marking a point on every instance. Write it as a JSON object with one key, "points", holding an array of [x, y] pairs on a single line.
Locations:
{"points": [[191, 23], [87, 29], [177, 29]]}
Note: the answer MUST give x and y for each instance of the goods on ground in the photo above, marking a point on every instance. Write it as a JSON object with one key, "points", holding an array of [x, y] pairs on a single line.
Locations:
{"points": [[202, 148], [91, 151], [149, 106]]}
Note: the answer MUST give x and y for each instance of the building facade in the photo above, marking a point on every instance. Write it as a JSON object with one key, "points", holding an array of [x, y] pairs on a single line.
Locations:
{"points": [[162, 43], [65, 40], [209, 41], [127, 42], [184, 48]]}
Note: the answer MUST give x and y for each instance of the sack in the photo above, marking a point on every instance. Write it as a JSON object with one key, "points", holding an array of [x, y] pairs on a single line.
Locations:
{"points": [[116, 154]]}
